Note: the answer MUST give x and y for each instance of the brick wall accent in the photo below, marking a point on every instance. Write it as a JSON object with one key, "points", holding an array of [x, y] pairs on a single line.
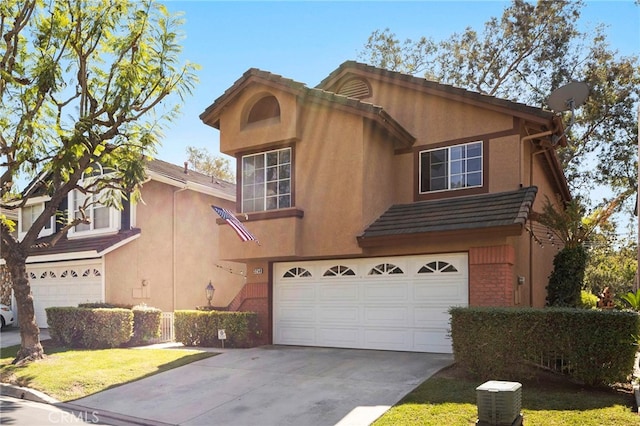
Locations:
{"points": [[254, 297], [491, 276]]}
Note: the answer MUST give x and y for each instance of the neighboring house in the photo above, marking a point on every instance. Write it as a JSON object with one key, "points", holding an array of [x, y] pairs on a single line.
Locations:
{"points": [[161, 252], [380, 200]]}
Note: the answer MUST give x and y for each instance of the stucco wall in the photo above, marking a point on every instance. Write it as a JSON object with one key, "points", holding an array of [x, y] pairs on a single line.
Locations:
{"points": [[176, 271], [433, 119], [329, 181], [239, 136], [346, 174]]}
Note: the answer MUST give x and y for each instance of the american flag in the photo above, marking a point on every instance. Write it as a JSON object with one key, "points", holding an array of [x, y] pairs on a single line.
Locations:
{"points": [[237, 226]]}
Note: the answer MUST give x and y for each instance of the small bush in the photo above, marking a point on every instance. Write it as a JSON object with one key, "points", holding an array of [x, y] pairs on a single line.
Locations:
{"points": [[503, 343], [200, 328], [90, 328], [588, 300], [146, 324]]}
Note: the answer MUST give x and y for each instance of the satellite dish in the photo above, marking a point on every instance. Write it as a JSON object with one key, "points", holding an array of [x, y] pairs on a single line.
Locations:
{"points": [[569, 96]]}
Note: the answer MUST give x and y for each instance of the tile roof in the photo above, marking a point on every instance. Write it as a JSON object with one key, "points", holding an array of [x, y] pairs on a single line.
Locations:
{"points": [[96, 244], [454, 214], [177, 173], [309, 93], [434, 85]]}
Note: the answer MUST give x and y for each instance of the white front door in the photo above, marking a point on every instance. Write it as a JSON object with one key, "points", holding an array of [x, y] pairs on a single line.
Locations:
{"points": [[64, 284], [389, 303]]}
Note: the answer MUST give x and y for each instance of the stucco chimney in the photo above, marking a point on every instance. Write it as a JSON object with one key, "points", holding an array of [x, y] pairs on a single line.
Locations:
{"points": [[186, 167]]}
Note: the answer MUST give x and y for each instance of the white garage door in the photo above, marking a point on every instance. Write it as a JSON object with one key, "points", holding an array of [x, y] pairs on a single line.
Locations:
{"points": [[64, 284], [392, 303]]}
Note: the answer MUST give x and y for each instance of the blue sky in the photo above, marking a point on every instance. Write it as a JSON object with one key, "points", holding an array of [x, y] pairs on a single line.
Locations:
{"points": [[305, 41]]}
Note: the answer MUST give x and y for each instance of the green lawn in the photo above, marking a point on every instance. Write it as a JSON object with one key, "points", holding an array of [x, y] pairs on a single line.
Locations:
{"points": [[451, 401], [68, 374]]}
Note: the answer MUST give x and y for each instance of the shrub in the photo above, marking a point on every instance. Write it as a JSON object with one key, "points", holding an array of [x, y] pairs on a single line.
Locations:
{"points": [[632, 300], [503, 343], [200, 328], [146, 324], [587, 300], [567, 277], [90, 328]]}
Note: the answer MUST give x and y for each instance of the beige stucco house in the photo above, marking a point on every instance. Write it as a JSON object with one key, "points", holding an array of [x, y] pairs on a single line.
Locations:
{"points": [[380, 200], [162, 252]]}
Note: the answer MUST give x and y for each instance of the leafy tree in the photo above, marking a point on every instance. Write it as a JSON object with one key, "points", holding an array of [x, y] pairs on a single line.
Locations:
{"points": [[531, 50], [82, 82], [205, 162], [611, 265], [573, 226]]}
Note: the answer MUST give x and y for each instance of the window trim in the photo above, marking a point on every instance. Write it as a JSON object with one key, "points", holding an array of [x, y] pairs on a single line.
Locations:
{"points": [[449, 193], [448, 162], [113, 214], [240, 184], [40, 201]]}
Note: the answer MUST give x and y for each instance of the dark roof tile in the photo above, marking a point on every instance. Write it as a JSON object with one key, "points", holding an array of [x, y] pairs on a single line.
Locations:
{"points": [[454, 214], [177, 173], [430, 84], [79, 245]]}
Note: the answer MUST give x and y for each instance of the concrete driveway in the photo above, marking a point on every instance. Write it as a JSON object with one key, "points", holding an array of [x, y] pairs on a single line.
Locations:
{"points": [[11, 336], [274, 385]]}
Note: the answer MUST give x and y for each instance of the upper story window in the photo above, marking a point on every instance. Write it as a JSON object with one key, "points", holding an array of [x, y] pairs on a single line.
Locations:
{"points": [[102, 219], [266, 180], [28, 215], [454, 167]]}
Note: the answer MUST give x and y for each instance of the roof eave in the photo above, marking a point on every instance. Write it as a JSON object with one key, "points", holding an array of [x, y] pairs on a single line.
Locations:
{"points": [[438, 89], [187, 184], [413, 238], [211, 115]]}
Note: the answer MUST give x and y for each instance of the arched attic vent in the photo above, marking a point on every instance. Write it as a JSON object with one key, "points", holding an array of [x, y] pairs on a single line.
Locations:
{"points": [[356, 87]]}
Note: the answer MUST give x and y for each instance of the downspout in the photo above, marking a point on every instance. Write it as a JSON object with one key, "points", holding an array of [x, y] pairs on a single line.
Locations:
{"points": [[174, 272], [542, 151], [521, 173]]}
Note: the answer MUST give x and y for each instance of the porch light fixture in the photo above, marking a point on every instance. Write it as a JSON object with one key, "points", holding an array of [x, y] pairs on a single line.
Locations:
{"points": [[210, 290]]}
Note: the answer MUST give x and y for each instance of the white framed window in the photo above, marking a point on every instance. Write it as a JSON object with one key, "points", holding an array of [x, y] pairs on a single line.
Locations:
{"points": [[266, 181], [451, 168], [28, 215], [102, 219]]}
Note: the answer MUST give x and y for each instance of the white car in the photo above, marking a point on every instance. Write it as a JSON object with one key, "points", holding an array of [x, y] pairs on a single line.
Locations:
{"points": [[6, 316]]}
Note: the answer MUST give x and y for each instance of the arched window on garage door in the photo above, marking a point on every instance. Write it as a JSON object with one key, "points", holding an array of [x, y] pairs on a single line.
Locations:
{"points": [[338, 270], [91, 273], [49, 274], [69, 272], [437, 266], [297, 273], [386, 269]]}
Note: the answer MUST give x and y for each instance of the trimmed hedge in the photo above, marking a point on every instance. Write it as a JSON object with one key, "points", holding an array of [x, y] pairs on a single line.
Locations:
{"points": [[146, 324], [200, 328], [90, 328], [503, 343], [146, 320], [96, 305]]}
